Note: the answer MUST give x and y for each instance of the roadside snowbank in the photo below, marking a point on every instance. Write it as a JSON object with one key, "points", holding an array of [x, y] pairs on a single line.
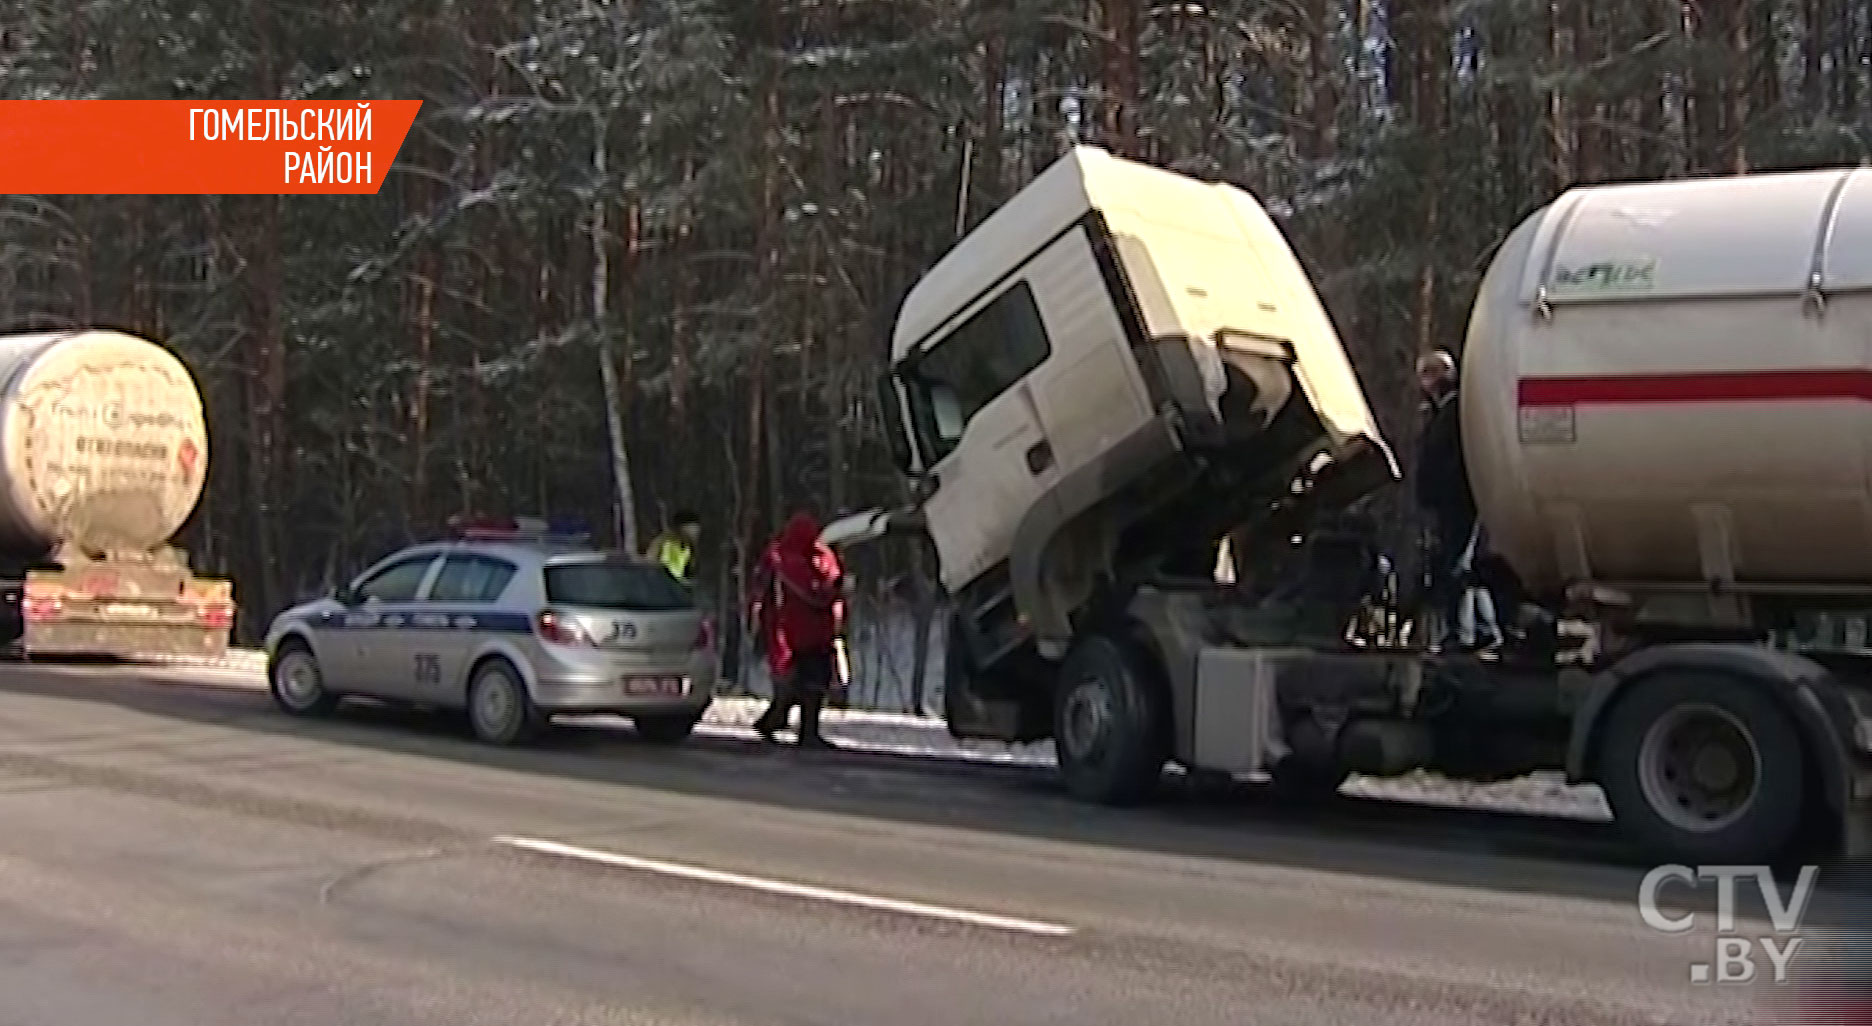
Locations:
{"points": [[894, 733]]}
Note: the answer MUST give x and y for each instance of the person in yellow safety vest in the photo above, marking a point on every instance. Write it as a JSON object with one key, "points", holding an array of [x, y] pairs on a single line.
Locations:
{"points": [[675, 547]]}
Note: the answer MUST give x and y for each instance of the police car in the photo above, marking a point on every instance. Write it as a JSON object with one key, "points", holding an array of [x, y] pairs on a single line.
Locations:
{"points": [[511, 620]]}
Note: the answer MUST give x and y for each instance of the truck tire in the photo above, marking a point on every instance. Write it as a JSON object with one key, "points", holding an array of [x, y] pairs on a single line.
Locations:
{"points": [[1111, 723], [1703, 769], [296, 682], [499, 709]]}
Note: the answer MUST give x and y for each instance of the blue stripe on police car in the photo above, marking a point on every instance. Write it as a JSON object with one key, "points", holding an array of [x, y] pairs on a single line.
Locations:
{"points": [[426, 620]]}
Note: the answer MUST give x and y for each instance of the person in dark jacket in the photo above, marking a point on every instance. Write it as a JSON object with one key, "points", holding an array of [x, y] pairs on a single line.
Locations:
{"points": [[798, 609], [1442, 491]]}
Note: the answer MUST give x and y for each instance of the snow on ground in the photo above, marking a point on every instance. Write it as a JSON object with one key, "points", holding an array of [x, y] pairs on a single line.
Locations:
{"points": [[895, 733], [1542, 794]]}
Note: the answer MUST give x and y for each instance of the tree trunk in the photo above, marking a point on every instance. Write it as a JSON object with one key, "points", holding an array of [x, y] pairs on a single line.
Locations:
{"points": [[266, 398], [419, 402], [626, 508], [1121, 76], [1706, 87], [1560, 126], [1814, 98], [266, 388], [1588, 44], [922, 619], [1653, 156], [994, 116], [1428, 33], [1321, 114], [1322, 108], [679, 316]]}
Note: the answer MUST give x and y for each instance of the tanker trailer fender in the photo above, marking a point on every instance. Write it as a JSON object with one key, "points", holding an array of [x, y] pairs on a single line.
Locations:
{"points": [[1824, 716]]}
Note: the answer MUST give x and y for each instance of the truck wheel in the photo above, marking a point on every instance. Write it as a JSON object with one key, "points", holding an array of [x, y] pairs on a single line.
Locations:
{"points": [[1110, 725], [499, 709], [1703, 769], [297, 684]]}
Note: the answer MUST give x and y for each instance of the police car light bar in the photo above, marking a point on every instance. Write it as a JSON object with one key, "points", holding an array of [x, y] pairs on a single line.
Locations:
{"points": [[568, 530]]}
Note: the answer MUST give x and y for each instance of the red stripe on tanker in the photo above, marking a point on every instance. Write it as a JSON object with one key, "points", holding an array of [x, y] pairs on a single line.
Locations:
{"points": [[1719, 387]]}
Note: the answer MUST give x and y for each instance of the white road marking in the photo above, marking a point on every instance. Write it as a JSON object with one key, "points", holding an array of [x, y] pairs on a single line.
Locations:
{"points": [[792, 890]]}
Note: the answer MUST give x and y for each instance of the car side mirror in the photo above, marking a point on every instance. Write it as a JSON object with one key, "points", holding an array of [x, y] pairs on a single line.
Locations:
{"points": [[345, 595]]}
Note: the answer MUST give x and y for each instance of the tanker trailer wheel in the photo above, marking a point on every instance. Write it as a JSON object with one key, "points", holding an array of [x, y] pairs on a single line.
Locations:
{"points": [[1703, 769], [1111, 723], [296, 682]]}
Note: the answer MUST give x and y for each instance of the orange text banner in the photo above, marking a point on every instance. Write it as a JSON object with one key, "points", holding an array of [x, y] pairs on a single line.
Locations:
{"points": [[190, 147]]}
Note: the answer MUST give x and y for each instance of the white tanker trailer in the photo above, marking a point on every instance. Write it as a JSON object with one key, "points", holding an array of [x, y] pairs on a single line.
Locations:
{"points": [[103, 456], [1667, 408], [1668, 388]]}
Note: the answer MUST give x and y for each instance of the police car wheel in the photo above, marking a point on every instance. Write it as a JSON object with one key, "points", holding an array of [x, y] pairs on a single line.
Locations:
{"points": [[499, 709], [664, 730], [296, 683]]}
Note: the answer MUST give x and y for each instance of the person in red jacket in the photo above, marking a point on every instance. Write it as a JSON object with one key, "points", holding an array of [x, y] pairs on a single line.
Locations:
{"points": [[798, 611]]}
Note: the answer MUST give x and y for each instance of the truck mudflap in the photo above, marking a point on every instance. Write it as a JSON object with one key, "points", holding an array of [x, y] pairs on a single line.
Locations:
{"points": [[124, 613]]}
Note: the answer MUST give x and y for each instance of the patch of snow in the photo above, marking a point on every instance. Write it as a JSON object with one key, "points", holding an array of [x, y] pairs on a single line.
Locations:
{"points": [[1541, 794]]}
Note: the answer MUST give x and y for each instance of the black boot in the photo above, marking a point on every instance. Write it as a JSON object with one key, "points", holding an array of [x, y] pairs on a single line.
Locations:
{"points": [[778, 710], [811, 703]]}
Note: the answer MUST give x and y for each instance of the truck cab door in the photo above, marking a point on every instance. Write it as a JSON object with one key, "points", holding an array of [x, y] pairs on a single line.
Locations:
{"points": [[986, 453], [1000, 467]]}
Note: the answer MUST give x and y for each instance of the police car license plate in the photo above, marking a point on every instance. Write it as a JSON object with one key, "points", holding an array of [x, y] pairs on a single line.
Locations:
{"points": [[659, 687]]}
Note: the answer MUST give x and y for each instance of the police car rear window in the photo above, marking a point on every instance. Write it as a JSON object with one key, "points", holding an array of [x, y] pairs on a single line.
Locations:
{"points": [[615, 586]]}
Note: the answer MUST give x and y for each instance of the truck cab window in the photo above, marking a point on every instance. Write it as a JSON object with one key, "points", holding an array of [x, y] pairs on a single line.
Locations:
{"points": [[966, 370]]}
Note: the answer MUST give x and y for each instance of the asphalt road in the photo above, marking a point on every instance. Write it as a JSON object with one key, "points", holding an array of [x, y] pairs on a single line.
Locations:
{"points": [[180, 855]]}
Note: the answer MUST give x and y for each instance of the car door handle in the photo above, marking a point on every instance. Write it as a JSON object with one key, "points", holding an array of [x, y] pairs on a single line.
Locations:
{"points": [[1039, 456]]}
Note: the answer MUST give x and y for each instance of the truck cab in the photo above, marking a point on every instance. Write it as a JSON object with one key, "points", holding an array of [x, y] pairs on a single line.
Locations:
{"points": [[1110, 374]]}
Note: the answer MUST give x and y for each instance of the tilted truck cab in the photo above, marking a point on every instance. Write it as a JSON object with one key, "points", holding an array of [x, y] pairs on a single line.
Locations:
{"points": [[1088, 381], [1123, 367]]}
